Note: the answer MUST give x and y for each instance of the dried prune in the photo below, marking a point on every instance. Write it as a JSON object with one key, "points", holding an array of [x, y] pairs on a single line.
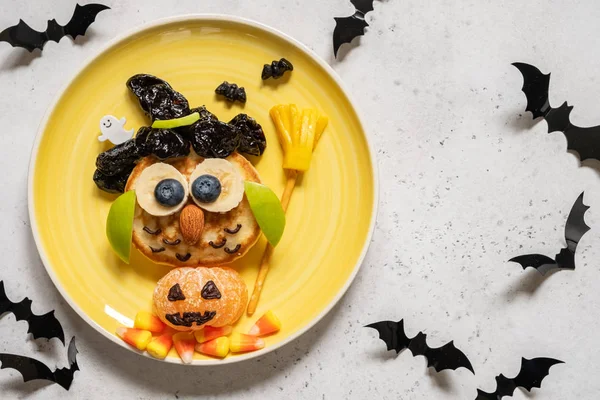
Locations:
{"points": [[157, 98], [112, 184], [163, 143], [231, 92], [252, 140], [204, 113], [118, 159], [276, 69], [188, 131], [214, 139]]}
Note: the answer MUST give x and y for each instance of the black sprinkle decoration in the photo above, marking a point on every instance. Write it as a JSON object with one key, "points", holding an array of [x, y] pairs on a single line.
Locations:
{"points": [[348, 28], [189, 318], [22, 35], [575, 228], [40, 326], [585, 141], [210, 291], [184, 258], [231, 92], [151, 232], [441, 358], [217, 245], [234, 230], [234, 250], [32, 369], [159, 250], [276, 69], [175, 293], [173, 243], [531, 375]]}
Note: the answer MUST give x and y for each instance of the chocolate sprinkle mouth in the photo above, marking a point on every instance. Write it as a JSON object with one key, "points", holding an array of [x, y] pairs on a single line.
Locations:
{"points": [[189, 318], [235, 230], [175, 293], [210, 291], [235, 250], [218, 246], [151, 232], [157, 250], [183, 258], [175, 243]]}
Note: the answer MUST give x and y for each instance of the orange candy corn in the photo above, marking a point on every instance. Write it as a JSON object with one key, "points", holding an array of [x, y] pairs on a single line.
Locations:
{"points": [[137, 338], [149, 322], [268, 323], [239, 342], [210, 333], [218, 347], [160, 346], [184, 344]]}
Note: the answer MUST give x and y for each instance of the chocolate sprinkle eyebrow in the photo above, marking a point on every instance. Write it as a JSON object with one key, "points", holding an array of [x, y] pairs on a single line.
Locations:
{"points": [[183, 258], [189, 318], [175, 293], [218, 246], [157, 250], [175, 243], [235, 230], [151, 232], [228, 250], [210, 291]]}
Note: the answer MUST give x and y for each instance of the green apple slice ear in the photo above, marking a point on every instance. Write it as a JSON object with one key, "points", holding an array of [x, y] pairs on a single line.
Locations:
{"points": [[119, 224], [176, 122], [267, 210]]}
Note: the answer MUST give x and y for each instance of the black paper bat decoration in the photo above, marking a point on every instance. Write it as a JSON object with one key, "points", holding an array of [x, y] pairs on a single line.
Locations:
{"points": [[531, 375], [40, 326], [347, 28], [585, 141], [32, 369], [575, 228], [445, 357], [22, 35]]}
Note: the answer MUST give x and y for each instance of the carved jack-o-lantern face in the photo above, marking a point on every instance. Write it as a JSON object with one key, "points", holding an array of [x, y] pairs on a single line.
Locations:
{"points": [[191, 298]]}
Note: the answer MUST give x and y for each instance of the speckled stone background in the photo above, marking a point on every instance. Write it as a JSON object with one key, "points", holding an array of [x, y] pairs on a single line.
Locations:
{"points": [[467, 182]]}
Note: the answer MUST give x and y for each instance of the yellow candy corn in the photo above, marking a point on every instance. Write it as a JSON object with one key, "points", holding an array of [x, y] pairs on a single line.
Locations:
{"points": [[218, 347], [298, 133], [160, 346], [210, 333], [184, 344], [239, 342], [268, 323], [149, 322], [137, 338]]}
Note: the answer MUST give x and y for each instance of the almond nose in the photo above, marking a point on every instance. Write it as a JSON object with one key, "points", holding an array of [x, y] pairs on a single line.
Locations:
{"points": [[191, 223]]}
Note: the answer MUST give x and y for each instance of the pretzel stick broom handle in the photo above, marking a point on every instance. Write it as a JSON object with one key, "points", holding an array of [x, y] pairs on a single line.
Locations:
{"points": [[264, 263]]}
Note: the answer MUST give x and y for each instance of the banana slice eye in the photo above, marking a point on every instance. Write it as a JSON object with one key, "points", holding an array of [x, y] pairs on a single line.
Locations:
{"points": [[161, 190], [216, 185]]}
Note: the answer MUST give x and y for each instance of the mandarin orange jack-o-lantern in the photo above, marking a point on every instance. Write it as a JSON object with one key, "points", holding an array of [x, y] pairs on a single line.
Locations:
{"points": [[189, 299]]}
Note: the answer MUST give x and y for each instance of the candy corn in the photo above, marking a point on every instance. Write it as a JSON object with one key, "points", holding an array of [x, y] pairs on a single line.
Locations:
{"points": [[137, 338], [218, 347], [149, 322], [160, 346], [184, 344], [210, 333], [239, 342], [268, 323]]}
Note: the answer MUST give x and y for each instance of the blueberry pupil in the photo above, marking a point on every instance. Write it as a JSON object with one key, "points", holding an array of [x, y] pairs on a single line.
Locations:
{"points": [[169, 192], [206, 188]]}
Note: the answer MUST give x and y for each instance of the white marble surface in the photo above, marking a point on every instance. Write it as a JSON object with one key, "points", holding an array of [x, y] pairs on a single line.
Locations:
{"points": [[467, 182]]}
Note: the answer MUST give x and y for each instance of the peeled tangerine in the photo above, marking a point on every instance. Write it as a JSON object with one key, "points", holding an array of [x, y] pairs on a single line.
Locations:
{"points": [[160, 346], [210, 333], [218, 347], [267, 324], [184, 344], [137, 338], [239, 342], [149, 322], [299, 132], [188, 299]]}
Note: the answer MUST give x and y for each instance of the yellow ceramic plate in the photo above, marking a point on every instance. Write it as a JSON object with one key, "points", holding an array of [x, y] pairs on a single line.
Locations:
{"points": [[331, 215]]}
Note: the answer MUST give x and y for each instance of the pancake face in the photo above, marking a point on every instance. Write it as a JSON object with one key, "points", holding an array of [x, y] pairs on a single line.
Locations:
{"points": [[160, 239]]}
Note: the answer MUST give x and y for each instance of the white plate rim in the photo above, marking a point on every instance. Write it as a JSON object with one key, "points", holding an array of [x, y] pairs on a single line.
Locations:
{"points": [[202, 18]]}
